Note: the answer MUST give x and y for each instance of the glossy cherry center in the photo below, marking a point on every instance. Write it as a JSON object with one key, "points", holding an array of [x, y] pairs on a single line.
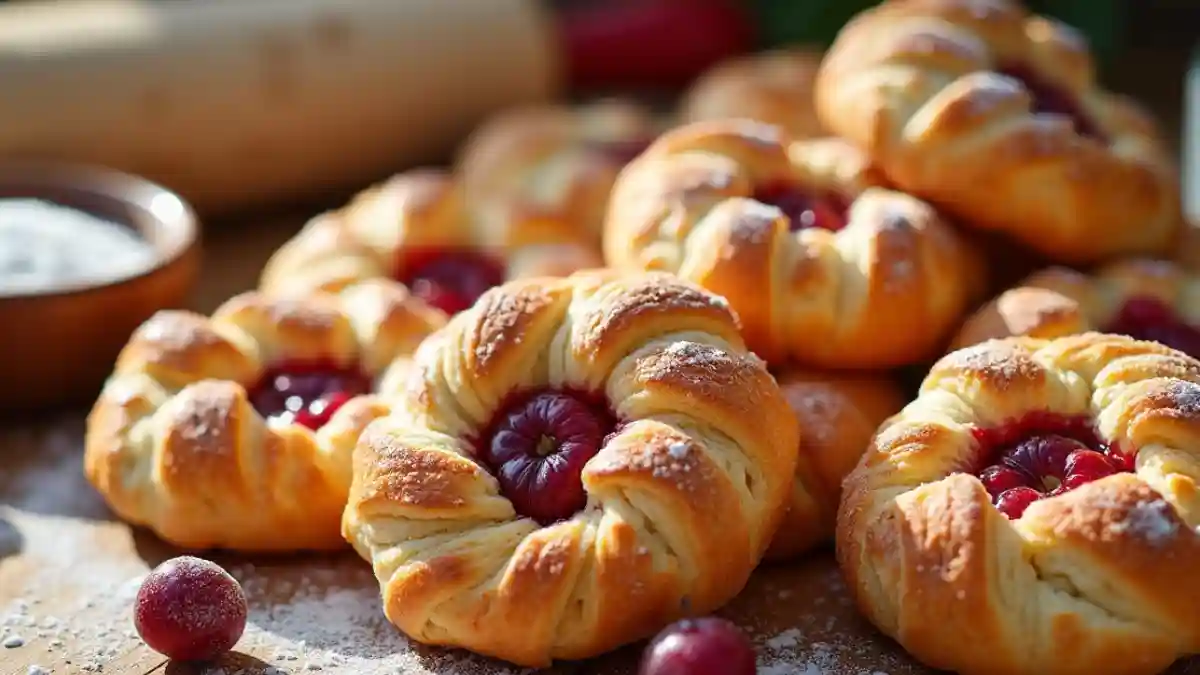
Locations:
{"points": [[306, 392], [1050, 98], [804, 209], [537, 448], [450, 279], [1147, 318], [1042, 456]]}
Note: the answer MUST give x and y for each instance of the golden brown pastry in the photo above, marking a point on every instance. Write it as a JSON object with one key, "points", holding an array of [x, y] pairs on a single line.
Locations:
{"points": [[994, 115], [824, 266], [1034, 510], [1146, 299], [838, 414], [554, 165], [236, 431], [577, 462], [774, 87], [419, 229]]}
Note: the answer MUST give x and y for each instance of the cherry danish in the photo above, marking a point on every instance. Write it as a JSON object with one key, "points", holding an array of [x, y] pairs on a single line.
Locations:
{"points": [[575, 464], [1045, 483], [235, 430], [962, 103], [697, 206], [1142, 298], [428, 229]]}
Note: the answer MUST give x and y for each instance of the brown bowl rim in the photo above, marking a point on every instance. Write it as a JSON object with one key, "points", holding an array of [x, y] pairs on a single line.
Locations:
{"points": [[131, 191]]}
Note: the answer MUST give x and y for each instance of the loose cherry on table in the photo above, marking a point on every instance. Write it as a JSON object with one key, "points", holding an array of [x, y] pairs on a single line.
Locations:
{"points": [[449, 279], [1042, 456], [1147, 318], [537, 447], [705, 646], [804, 209], [1051, 98], [190, 609], [307, 392]]}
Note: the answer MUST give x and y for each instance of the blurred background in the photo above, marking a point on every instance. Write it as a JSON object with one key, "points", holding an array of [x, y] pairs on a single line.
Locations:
{"points": [[112, 82]]}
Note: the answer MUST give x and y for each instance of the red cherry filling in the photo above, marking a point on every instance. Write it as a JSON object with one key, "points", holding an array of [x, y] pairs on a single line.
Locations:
{"points": [[1042, 456], [1146, 318], [306, 392], [804, 209], [1050, 98], [537, 449], [620, 152], [450, 279]]}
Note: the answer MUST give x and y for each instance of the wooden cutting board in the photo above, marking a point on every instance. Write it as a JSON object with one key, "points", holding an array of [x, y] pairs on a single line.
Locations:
{"points": [[68, 572]]}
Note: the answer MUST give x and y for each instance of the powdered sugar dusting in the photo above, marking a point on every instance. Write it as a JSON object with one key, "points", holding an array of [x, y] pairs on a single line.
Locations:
{"points": [[1149, 520]]}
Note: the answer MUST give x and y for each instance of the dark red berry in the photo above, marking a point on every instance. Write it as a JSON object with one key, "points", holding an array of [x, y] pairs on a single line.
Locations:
{"points": [[1013, 502], [998, 478], [450, 279], [538, 449], [190, 609], [307, 392], [803, 210], [707, 646], [1085, 466]]}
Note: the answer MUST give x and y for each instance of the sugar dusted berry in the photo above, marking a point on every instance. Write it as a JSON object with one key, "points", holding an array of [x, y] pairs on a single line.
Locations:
{"points": [[190, 609], [706, 646]]}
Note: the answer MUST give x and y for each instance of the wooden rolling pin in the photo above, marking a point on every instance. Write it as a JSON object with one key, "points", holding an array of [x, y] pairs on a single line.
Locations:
{"points": [[235, 103]]}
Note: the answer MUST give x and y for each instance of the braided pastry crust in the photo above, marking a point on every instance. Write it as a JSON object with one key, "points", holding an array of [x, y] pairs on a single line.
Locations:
{"points": [[675, 507], [1148, 299], [994, 115], [175, 442], [554, 164], [838, 415], [716, 203], [775, 87], [397, 228], [1095, 576]]}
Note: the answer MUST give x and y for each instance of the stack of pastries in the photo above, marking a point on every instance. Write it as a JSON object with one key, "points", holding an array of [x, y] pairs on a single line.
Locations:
{"points": [[585, 381]]}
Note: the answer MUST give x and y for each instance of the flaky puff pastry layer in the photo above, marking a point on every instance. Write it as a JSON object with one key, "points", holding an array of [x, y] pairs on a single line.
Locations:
{"points": [[174, 444], [1099, 579], [838, 414], [1058, 301], [554, 165], [422, 209], [683, 497], [884, 291], [915, 84], [775, 87]]}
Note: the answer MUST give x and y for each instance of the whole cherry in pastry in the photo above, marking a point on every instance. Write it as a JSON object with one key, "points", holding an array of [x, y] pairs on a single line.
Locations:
{"points": [[1143, 298], [704, 646], [451, 280], [235, 430], [538, 450], [422, 228], [307, 392], [556, 446], [816, 255], [1035, 482], [190, 609], [1042, 456], [970, 103]]}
